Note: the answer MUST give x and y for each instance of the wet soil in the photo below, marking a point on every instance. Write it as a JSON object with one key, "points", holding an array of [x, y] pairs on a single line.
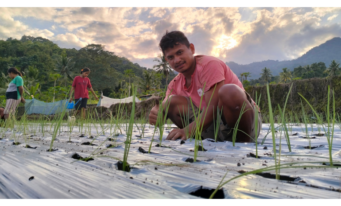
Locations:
{"points": [[78, 157], [158, 145], [273, 176], [191, 160], [253, 155], [309, 137], [142, 150], [16, 143], [52, 150], [206, 193], [88, 143], [336, 165], [120, 166], [313, 147], [29, 147], [111, 146]]}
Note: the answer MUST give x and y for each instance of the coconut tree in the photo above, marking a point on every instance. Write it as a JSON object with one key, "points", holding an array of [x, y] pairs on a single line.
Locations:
{"points": [[129, 73], [333, 69], [285, 75], [162, 66], [54, 77], [246, 75], [266, 75], [64, 67]]}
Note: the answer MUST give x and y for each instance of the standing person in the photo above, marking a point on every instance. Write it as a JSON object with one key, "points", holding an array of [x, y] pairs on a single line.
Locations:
{"points": [[14, 93], [212, 80], [80, 85], [1, 115]]}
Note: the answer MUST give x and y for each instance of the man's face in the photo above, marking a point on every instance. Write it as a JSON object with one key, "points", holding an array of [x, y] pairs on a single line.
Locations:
{"points": [[180, 57]]}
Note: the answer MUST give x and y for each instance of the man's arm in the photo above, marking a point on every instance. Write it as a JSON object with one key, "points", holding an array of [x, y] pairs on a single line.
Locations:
{"points": [[206, 114], [93, 92], [72, 89]]}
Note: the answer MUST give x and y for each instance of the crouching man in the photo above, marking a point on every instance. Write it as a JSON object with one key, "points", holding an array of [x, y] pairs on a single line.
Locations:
{"points": [[212, 80]]}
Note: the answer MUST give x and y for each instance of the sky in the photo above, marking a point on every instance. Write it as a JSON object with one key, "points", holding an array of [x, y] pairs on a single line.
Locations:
{"points": [[240, 34]]}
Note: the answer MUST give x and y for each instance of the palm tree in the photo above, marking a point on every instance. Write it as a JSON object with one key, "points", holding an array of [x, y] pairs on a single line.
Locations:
{"points": [[64, 67], [54, 77], [285, 75], [162, 66], [129, 73], [146, 82], [266, 75], [333, 69], [246, 75]]}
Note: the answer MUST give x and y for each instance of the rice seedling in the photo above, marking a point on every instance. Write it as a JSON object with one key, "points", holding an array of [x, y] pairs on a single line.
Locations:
{"points": [[129, 133], [199, 120], [272, 125], [184, 116], [305, 120], [328, 135], [216, 122]]}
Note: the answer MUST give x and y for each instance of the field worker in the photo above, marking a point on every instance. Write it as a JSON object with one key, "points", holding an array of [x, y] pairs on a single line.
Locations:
{"points": [[14, 93], [198, 76], [80, 85]]}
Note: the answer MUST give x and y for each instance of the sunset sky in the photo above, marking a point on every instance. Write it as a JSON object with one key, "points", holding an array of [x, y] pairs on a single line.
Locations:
{"points": [[239, 34]]}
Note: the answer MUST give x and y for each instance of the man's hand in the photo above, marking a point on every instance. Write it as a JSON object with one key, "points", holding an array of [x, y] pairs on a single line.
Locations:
{"points": [[23, 100], [153, 114], [70, 99], [96, 98], [176, 134]]}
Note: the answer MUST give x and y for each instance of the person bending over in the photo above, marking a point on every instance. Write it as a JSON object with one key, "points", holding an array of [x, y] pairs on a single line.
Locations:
{"points": [[80, 85], [204, 77], [14, 93]]}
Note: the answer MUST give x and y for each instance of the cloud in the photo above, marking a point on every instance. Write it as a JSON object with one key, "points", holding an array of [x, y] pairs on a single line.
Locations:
{"points": [[260, 33], [332, 17]]}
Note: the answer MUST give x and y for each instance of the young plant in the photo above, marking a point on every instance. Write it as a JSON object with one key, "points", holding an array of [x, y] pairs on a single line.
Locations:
{"points": [[329, 136], [129, 134], [216, 122], [272, 125]]}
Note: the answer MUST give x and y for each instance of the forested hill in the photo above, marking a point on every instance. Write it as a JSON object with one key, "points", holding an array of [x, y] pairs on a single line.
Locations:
{"points": [[39, 58], [326, 52]]}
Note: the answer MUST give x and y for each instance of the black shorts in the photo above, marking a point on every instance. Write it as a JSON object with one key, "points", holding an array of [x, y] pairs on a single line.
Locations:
{"points": [[81, 104]]}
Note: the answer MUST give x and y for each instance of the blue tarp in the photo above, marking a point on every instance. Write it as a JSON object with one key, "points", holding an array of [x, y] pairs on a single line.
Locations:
{"points": [[34, 106]]}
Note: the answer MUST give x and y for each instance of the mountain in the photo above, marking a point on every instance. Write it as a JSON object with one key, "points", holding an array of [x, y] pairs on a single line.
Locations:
{"points": [[326, 52]]}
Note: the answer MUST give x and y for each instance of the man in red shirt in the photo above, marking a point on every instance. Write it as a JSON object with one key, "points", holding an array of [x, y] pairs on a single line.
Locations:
{"points": [[80, 85], [198, 76]]}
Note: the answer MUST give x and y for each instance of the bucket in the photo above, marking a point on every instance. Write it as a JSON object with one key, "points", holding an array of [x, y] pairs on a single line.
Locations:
{"points": [[72, 105]]}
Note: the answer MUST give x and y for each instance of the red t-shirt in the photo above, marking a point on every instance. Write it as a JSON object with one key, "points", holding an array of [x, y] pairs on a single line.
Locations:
{"points": [[81, 86], [209, 70]]}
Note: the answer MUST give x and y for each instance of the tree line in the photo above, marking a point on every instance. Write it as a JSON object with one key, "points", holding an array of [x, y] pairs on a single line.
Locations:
{"points": [[48, 70], [315, 70]]}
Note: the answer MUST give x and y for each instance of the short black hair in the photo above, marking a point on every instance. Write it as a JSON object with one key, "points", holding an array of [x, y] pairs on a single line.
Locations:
{"points": [[85, 69], [170, 39]]}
